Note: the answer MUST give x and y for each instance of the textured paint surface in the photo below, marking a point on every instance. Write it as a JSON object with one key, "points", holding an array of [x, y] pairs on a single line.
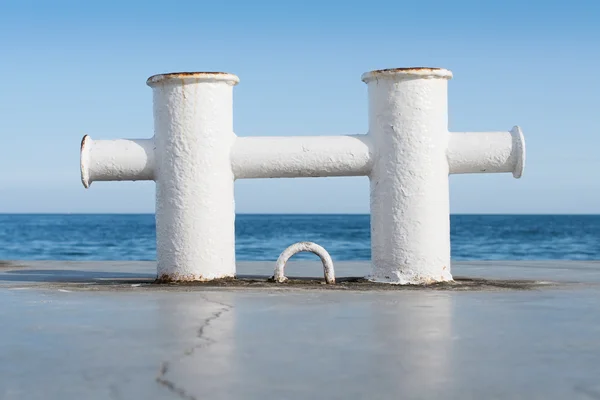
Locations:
{"points": [[294, 157], [410, 213], [116, 160], [408, 153], [195, 212], [473, 152], [328, 271], [410, 216]]}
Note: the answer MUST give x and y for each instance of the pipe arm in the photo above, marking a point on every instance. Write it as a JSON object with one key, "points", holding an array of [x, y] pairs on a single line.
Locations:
{"points": [[116, 160], [301, 156], [476, 152]]}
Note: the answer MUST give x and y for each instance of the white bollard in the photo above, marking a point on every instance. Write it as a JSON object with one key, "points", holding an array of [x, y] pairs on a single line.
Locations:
{"points": [[408, 153], [410, 211], [195, 209]]}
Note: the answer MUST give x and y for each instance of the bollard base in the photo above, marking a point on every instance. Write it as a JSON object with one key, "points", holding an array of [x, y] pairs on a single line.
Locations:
{"points": [[485, 276], [165, 278], [354, 283]]}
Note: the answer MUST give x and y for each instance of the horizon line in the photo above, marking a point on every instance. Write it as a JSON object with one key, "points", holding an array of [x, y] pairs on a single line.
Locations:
{"points": [[292, 213]]}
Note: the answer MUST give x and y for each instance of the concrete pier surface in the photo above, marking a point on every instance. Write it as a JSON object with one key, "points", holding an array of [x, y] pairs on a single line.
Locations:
{"points": [[102, 330]]}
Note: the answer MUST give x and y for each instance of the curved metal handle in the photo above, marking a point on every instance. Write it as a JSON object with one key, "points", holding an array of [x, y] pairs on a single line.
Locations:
{"points": [[328, 271]]}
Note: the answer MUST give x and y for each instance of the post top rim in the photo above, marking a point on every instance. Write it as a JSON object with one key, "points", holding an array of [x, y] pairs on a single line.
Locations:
{"points": [[186, 77], [410, 72]]}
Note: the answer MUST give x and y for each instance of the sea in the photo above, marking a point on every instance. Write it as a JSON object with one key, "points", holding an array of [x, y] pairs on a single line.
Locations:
{"points": [[264, 237]]}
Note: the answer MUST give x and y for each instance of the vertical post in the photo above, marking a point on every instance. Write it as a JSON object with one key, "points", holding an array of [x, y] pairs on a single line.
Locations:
{"points": [[195, 214], [410, 223]]}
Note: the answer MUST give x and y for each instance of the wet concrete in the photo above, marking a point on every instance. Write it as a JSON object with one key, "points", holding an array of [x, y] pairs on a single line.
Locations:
{"points": [[103, 330]]}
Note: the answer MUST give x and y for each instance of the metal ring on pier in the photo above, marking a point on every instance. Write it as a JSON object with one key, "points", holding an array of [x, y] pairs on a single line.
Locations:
{"points": [[328, 271]]}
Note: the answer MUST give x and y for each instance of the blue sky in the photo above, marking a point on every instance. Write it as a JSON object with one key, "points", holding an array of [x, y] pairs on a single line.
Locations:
{"points": [[71, 67]]}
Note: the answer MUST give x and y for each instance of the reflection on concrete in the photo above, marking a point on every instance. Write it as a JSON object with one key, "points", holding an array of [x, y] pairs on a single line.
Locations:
{"points": [[351, 345], [415, 332]]}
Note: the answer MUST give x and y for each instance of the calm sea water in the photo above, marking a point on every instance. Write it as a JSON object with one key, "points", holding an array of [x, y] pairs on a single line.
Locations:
{"points": [[263, 237]]}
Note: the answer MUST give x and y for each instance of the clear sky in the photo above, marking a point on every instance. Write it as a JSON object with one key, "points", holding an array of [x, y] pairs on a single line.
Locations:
{"points": [[74, 67]]}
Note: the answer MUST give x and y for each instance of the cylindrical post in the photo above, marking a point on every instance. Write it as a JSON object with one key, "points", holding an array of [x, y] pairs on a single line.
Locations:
{"points": [[410, 221], [193, 129]]}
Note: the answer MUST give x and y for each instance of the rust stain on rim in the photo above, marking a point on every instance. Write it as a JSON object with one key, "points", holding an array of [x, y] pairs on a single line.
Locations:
{"points": [[194, 76], [414, 72]]}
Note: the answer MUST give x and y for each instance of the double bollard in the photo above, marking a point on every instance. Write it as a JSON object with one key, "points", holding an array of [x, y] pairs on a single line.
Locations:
{"points": [[194, 157]]}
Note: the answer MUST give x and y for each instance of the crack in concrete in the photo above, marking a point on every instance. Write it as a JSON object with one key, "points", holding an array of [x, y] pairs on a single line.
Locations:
{"points": [[164, 368], [205, 342]]}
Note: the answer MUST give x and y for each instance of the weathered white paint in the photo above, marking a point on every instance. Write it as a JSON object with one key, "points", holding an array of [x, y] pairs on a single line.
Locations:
{"points": [[410, 225], [195, 211], [472, 152], [306, 156], [116, 160], [410, 213], [328, 272], [407, 154]]}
